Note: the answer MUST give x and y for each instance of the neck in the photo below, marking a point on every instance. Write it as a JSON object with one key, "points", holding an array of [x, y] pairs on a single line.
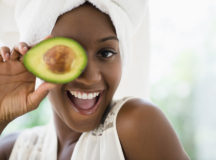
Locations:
{"points": [[66, 136]]}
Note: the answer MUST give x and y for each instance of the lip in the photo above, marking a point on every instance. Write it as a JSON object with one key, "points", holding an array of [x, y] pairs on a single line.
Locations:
{"points": [[86, 111], [88, 91]]}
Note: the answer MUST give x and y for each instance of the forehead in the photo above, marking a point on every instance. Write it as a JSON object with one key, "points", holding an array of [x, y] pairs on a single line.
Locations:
{"points": [[85, 23]]}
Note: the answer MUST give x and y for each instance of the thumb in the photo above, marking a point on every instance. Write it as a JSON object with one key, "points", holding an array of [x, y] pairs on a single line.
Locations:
{"points": [[34, 98]]}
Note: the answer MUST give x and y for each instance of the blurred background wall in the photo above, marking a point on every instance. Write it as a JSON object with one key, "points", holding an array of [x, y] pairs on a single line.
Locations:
{"points": [[8, 28], [173, 65], [183, 70]]}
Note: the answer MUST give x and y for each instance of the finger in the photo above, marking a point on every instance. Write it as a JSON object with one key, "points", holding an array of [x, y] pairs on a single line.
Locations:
{"points": [[20, 77], [15, 55], [39, 94], [5, 53], [11, 68], [1, 59], [22, 48]]}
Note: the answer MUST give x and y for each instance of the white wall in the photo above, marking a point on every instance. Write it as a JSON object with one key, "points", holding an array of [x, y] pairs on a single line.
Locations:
{"points": [[188, 26], [8, 29]]}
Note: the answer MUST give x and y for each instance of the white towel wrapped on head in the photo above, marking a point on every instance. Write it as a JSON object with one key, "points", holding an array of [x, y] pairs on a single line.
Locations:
{"points": [[36, 18]]}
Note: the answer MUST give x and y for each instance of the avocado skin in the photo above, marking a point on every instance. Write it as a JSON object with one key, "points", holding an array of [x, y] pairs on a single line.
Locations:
{"points": [[33, 60]]}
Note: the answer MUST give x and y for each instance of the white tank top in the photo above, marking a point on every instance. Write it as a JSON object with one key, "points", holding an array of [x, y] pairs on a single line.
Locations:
{"points": [[40, 143]]}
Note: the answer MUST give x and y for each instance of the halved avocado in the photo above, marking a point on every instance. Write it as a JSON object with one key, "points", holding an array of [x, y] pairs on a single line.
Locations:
{"points": [[56, 60]]}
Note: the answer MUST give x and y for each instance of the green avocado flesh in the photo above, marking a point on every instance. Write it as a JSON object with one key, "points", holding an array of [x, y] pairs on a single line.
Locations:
{"points": [[56, 60]]}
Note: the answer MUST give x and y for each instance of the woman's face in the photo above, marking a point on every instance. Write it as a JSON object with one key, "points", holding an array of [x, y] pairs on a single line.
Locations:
{"points": [[94, 31]]}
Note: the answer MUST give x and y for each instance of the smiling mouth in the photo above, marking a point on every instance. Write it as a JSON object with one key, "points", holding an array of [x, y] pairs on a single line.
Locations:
{"points": [[84, 103]]}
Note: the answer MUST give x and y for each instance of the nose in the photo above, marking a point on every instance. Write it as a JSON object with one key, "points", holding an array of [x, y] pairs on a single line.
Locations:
{"points": [[91, 75]]}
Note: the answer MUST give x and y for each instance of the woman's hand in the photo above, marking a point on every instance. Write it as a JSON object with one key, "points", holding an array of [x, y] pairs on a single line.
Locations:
{"points": [[17, 94]]}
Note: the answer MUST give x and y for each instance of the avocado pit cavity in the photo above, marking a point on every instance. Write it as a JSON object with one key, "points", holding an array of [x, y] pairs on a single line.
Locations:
{"points": [[59, 59]]}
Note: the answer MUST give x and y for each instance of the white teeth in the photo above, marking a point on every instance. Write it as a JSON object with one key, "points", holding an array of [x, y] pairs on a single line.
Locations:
{"points": [[78, 95], [90, 96], [84, 95]]}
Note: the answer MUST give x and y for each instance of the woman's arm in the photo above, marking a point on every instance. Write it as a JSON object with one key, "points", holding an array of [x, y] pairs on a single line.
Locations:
{"points": [[17, 93], [146, 134], [17, 85]]}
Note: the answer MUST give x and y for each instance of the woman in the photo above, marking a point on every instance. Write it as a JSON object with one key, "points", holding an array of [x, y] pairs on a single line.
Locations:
{"points": [[93, 128]]}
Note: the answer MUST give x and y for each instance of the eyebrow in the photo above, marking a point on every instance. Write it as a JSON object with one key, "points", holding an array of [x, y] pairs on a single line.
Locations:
{"points": [[108, 38]]}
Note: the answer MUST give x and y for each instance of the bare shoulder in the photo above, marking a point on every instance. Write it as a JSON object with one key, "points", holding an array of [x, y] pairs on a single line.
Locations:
{"points": [[145, 133], [6, 145]]}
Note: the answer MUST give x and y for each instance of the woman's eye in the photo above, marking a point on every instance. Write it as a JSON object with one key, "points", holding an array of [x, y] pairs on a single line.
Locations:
{"points": [[107, 53]]}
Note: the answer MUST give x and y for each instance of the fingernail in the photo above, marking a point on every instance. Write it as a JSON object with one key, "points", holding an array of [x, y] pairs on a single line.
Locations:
{"points": [[6, 57], [25, 49]]}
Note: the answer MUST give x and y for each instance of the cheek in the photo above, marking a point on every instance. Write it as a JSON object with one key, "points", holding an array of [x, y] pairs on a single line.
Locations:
{"points": [[113, 73], [55, 97]]}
